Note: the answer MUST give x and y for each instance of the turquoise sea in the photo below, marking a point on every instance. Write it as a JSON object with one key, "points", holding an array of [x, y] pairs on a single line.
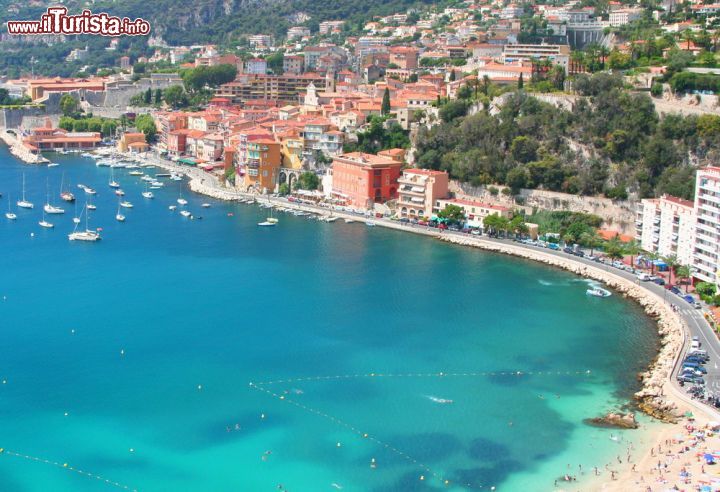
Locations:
{"points": [[131, 359]]}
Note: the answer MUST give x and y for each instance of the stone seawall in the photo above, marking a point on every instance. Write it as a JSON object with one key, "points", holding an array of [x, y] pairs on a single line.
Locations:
{"points": [[651, 398]]}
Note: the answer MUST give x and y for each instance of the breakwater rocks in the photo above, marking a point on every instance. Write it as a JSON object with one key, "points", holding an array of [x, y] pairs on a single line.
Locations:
{"points": [[200, 185], [651, 399], [614, 421]]}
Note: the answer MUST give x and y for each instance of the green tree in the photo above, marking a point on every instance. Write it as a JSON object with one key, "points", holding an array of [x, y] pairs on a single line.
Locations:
{"points": [[632, 248], [591, 239], [452, 75], [385, 108], [158, 96], [683, 272], [452, 213], [524, 149], [284, 189], [520, 82], [614, 249], [68, 105], [175, 96], [672, 262], [145, 124], [308, 181], [147, 97]]}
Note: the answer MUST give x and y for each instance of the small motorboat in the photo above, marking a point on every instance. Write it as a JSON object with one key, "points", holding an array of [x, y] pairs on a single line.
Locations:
{"points": [[76, 220], [10, 215], [53, 210], [205, 205], [598, 292], [67, 196], [182, 201], [90, 206], [148, 194], [90, 191], [267, 224], [172, 207], [370, 223], [120, 217], [136, 173], [119, 192], [53, 164], [185, 213], [126, 204], [46, 224]]}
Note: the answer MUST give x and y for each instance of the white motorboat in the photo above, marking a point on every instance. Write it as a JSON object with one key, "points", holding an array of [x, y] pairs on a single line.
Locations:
{"points": [[136, 173], [175, 177], [119, 192], [76, 220], [126, 204], [267, 224], [90, 191], [120, 217], [205, 205], [86, 154], [90, 206], [370, 223], [598, 292], [24, 203], [52, 209], [147, 178], [53, 164], [181, 201], [104, 163], [185, 213], [172, 207], [148, 194]]}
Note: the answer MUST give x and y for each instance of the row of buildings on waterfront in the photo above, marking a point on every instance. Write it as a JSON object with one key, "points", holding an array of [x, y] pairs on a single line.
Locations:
{"points": [[688, 230]]}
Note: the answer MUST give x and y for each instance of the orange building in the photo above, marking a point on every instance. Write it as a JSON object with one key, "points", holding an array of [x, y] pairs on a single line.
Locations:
{"points": [[262, 167], [132, 141], [364, 179], [38, 87], [48, 138]]}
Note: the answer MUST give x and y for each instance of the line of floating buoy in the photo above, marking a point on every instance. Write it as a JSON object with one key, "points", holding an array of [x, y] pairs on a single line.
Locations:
{"points": [[65, 466], [373, 463], [424, 375]]}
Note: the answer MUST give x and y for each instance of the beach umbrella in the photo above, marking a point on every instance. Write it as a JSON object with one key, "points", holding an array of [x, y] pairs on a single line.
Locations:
{"points": [[689, 415], [705, 488]]}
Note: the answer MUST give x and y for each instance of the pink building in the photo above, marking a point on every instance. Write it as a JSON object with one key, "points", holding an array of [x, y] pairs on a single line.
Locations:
{"points": [[419, 190], [364, 179]]}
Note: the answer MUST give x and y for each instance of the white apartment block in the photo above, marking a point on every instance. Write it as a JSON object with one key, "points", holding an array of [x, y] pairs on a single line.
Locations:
{"points": [[666, 226], [707, 226], [622, 17]]}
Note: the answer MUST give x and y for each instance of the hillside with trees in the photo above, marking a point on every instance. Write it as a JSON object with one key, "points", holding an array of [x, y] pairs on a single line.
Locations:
{"points": [[612, 143]]}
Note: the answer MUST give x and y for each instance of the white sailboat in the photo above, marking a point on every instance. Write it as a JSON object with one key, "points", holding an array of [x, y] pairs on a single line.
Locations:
{"points": [[119, 217], [24, 203], [65, 195], [147, 193], [76, 218], [44, 223], [51, 209], [9, 214], [113, 183], [185, 213], [87, 234]]}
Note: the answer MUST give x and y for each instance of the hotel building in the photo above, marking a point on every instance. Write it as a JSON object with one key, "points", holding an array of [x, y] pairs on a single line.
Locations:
{"points": [[475, 211], [418, 191], [706, 253], [666, 226], [287, 88], [362, 180]]}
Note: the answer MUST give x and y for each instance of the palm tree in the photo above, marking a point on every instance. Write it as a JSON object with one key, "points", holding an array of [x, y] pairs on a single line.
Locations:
{"points": [[683, 271], [652, 256], [672, 262], [633, 249], [614, 249], [591, 240]]}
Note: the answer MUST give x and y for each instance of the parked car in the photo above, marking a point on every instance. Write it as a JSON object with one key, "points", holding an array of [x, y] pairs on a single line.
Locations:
{"points": [[553, 246], [689, 299], [568, 250], [675, 290], [659, 281], [643, 277]]}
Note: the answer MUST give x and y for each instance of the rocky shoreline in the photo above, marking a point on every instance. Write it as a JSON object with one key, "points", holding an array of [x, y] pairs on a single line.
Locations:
{"points": [[651, 399], [19, 150]]}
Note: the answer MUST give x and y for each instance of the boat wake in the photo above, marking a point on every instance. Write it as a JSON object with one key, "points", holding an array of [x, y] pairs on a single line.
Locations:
{"points": [[545, 283], [435, 399]]}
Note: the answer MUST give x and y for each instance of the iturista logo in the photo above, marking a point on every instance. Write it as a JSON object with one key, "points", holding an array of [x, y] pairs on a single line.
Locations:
{"points": [[57, 21]]}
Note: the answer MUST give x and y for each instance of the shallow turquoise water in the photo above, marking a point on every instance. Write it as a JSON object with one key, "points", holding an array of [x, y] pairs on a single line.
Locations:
{"points": [[202, 308]]}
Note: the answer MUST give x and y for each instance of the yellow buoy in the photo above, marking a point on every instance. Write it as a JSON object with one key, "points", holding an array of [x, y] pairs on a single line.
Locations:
{"points": [[64, 465], [422, 477]]}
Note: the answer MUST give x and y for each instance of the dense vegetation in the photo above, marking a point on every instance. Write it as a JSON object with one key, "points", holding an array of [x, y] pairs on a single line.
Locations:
{"points": [[612, 143]]}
